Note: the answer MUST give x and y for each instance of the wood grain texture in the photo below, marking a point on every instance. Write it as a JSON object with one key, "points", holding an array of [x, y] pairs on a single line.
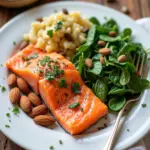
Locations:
{"points": [[137, 8]]}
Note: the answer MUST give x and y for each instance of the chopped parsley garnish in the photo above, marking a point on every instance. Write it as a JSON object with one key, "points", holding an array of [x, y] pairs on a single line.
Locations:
{"points": [[35, 55], [57, 72], [1, 65], [74, 105], [28, 63], [59, 25], [144, 105], [50, 33], [9, 120], [8, 115], [7, 126], [62, 83], [49, 76], [45, 60], [3, 89], [76, 88], [128, 130], [81, 109], [51, 147], [14, 43], [60, 142], [16, 111]]}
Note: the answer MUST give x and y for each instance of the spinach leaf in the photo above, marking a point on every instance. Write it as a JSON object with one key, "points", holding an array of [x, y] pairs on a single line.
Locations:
{"points": [[114, 49], [83, 48], [81, 63], [137, 84], [97, 68], [125, 77], [111, 23], [114, 76], [126, 49], [109, 39], [120, 91], [91, 35], [100, 88], [112, 58], [129, 66], [103, 30], [126, 34], [94, 20], [75, 58], [90, 39], [115, 104], [96, 57]]}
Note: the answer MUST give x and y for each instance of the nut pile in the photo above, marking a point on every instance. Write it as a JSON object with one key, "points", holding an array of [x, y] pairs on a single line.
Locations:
{"points": [[29, 101], [104, 51]]}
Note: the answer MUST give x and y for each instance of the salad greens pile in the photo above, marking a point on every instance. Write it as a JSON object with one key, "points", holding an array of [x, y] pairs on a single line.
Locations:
{"points": [[114, 78]]}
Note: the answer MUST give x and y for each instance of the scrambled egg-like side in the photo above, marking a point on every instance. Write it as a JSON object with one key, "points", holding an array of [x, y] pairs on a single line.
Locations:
{"points": [[59, 33]]}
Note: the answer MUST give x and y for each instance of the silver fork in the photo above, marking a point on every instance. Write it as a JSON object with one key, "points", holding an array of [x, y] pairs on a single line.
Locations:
{"points": [[139, 68]]}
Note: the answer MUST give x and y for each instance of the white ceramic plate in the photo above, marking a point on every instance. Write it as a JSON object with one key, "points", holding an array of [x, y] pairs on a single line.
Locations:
{"points": [[24, 132]]}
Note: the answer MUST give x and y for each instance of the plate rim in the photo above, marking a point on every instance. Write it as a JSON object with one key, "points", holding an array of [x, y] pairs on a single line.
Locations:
{"points": [[143, 131]]}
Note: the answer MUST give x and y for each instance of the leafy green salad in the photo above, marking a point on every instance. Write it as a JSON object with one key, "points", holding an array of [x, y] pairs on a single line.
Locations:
{"points": [[105, 63]]}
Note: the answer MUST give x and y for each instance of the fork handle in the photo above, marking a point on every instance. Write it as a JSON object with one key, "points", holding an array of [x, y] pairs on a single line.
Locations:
{"points": [[110, 142]]}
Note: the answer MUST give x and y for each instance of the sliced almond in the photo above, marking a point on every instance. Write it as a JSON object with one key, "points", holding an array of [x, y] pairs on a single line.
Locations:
{"points": [[25, 104], [14, 95], [44, 120], [38, 110], [122, 58], [105, 51], [23, 85], [12, 79], [34, 99]]}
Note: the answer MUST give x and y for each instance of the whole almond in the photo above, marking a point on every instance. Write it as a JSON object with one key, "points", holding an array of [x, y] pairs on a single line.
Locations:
{"points": [[12, 79], [112, 33], [14, 95], [34, 99], [25, 104], [102, 60], [89, 62], [44, 120], [122, 58], [23, 85], [38, 110], [104, 51]]}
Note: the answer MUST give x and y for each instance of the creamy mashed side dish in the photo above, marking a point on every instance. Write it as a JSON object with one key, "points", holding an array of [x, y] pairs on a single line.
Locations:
{"points": [[60, 32]]}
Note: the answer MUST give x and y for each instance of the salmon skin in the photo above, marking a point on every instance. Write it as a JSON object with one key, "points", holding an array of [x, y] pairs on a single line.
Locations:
{"points": [[58, 82]]}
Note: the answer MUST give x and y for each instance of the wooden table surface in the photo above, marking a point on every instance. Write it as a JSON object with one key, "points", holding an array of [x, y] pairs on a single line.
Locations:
{"points": [[137, 8]]}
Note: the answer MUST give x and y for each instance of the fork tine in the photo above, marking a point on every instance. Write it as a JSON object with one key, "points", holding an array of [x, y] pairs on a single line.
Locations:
{"points": [[138, 62], [134, 56], [142, 64]]}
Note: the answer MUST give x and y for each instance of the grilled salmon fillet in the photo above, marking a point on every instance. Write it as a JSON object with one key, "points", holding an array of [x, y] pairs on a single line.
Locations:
{"points": [[58, 82]]}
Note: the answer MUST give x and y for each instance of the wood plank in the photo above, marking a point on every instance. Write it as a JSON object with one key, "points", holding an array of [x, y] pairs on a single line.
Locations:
{"points": [[134, 7], [145, 8]]}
